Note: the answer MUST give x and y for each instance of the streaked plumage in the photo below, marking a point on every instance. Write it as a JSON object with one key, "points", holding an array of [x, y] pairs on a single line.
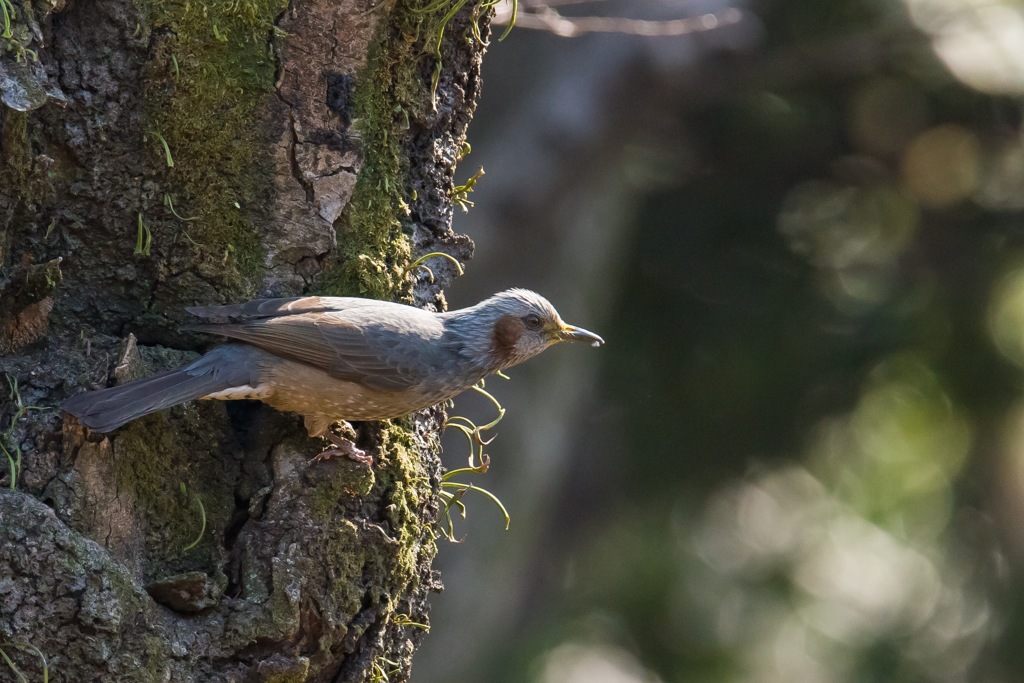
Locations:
{"points": [[333, 359]]}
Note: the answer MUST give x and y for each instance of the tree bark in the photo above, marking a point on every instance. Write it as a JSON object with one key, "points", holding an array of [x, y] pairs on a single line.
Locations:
{"points": [[161, 153]]}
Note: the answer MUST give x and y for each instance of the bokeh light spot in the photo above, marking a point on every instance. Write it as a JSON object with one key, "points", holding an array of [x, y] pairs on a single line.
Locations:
{"points": [[886, 115], [1006, 317], [1003, 177], [980, 41], [592, 663], [942, 165]]}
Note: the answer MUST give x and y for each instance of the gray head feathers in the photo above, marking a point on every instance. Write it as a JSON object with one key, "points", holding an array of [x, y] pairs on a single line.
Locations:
{"points": [[505, 329]]}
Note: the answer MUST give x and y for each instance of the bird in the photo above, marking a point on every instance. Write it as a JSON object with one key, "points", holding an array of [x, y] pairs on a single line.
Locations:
{"points": [[339, 359]]}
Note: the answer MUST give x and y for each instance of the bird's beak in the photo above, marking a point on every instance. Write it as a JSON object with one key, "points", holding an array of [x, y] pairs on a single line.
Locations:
{"points": [[573, 333]]}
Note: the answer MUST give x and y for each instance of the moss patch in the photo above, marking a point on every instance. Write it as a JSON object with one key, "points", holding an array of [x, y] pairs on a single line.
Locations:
{"points": [[393, 105], [359, 564], [409, 494], [153, 460], [211, 76], [16, 155], [345, 557], [372, 260], [331, 488], [373, 255]]}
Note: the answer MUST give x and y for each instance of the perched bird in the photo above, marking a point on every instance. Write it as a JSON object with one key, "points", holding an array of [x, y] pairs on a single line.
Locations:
{"points": [[333, 359]]}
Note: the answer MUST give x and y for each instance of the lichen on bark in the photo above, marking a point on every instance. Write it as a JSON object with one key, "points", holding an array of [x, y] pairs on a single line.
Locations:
{"points": [[208, 83], [303, 161]]}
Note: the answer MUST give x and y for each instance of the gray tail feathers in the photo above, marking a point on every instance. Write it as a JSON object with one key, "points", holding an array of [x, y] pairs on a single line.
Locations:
{"points": [[107, 409]]}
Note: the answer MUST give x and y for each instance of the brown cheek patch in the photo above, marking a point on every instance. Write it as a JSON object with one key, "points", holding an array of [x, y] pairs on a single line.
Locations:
{"points": [[507, 332]]}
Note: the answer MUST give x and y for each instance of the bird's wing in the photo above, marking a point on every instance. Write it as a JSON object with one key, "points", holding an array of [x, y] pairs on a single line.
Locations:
{"points": [[386, 347], [272, 308]]}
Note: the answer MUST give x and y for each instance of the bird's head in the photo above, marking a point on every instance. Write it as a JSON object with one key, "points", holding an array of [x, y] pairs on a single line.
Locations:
{"points": [[518, 324]]}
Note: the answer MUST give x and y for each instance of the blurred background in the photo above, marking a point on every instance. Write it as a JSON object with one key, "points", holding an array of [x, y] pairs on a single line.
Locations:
{"points": [[799, 225]]}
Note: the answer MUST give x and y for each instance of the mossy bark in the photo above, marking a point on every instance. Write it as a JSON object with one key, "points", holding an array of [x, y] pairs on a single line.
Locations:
{"points": [[207, 153]]}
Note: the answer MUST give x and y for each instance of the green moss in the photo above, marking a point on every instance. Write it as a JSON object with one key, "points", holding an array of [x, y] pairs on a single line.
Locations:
{"points": [[408, 493], [155, 658], [17, 25], [403, 487], [139, 464], [298, 673], [213, 74], [22, 180], [340, 555], [373, 254], [15, 147], [346, 555], [372, 260], [152, 460], [343, 483]]}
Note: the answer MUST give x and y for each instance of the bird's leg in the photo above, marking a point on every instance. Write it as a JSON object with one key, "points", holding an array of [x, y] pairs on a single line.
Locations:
{"points": [[344, 444]]}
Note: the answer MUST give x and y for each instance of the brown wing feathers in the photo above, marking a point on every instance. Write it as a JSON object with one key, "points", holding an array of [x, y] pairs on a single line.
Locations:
{"points": [[329, 341], [293, 336], [272, 308]]}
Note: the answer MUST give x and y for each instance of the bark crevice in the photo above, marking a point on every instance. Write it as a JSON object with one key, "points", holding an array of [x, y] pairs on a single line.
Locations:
{"points": [[302, 566]]}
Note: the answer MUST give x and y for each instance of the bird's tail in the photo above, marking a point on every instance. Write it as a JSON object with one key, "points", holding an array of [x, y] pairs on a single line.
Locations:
{"points": [[107, 409]]}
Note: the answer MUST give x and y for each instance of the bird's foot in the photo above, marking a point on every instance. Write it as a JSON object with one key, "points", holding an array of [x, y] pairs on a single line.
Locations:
{"points": [[344, 447]]}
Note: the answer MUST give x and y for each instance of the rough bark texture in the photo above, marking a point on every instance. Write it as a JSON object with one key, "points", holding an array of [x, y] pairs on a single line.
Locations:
{"points": [[308, 155]]}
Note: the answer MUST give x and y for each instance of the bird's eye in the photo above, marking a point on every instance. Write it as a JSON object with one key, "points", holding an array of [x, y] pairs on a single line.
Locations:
{"points": [[532, 321]]}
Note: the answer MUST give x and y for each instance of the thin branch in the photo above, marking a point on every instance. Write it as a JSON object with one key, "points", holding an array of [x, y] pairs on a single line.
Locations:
{"points": [[548, 19]]}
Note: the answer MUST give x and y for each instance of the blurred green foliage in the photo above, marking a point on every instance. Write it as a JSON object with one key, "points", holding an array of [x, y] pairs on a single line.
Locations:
{"points": [[815, 372]]}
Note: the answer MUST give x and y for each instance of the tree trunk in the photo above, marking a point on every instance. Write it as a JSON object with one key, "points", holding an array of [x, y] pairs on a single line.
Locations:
{"points": [[162, 153]]}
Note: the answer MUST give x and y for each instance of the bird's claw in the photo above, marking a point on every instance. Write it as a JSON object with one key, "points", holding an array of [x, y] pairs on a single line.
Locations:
{"points": [[352, 453], [344, 447]]}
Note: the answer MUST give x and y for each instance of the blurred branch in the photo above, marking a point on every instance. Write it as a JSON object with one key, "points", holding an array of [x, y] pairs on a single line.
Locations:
{"points": [[557, 3], [544, 17]]}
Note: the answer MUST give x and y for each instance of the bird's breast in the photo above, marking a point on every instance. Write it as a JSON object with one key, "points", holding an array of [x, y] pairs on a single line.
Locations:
{"points": [[304, 389]]}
